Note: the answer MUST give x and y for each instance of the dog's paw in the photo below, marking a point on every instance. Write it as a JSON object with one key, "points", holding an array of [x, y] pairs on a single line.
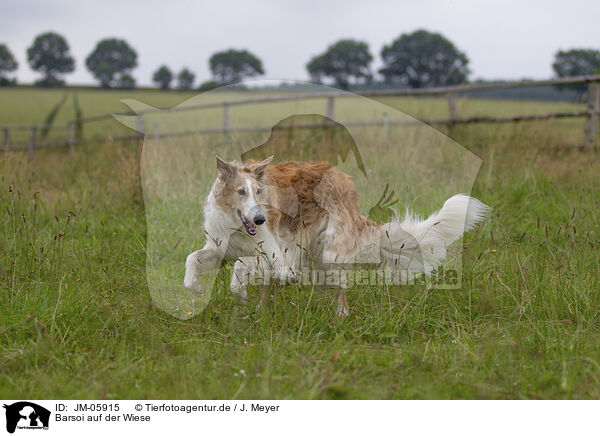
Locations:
{"points": [[190, 281], [238, 290], [194, 287], [242, 299], [240, 293], [342, 311]]}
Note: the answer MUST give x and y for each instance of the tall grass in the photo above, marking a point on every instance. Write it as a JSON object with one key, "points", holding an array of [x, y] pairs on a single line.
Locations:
{"points": [[77, 319]]}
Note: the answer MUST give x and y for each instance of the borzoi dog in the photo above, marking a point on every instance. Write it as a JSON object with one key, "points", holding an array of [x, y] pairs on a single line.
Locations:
{"points": [[274, 220]]}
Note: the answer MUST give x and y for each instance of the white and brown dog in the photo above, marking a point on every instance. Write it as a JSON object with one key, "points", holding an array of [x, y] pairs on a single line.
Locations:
{"points": [[276, 220]]}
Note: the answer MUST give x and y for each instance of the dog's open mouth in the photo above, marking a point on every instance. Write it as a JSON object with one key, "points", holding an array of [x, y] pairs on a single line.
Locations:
{"points": [[249, 225]]}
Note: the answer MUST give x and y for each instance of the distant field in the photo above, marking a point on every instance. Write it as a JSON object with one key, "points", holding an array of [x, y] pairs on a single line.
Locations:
{"points": [[31, 105], [77, 319]]}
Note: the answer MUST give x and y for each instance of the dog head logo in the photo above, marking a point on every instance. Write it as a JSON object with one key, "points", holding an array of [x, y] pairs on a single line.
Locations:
{"points": [[394, 161], [26, 415]]}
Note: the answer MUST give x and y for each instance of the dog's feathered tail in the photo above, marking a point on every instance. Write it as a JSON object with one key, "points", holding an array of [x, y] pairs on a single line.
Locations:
{"points": [[419, 245]]}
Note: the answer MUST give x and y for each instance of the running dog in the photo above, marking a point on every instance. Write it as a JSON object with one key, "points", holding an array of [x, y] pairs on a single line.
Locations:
{"points": [[274, 220]]}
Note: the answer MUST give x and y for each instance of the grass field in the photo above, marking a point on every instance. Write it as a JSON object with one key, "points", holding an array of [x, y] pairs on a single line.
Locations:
{"points": [[77, 319]]}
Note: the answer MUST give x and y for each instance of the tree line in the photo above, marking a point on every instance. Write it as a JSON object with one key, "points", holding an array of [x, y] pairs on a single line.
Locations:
{"points": [[418, 59]]}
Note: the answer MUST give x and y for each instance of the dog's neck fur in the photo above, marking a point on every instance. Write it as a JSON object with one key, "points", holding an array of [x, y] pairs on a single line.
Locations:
{"points": [[223, 228], [216, 220]]}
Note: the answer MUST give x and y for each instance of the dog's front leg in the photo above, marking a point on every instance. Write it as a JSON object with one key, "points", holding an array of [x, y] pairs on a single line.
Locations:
{"points": [[197, 263], [240, 278], [246, 271]]}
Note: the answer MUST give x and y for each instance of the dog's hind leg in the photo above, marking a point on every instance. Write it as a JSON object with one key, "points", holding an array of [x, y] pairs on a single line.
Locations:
{"points": [[342, 304], [197, 263]]}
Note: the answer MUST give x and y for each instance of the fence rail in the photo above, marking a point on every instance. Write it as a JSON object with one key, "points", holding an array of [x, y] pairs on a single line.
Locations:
{"points": [[591, 114]]}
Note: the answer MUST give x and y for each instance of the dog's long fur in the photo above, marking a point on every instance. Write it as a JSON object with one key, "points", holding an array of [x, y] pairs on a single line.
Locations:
{"points": [[311, 217]]}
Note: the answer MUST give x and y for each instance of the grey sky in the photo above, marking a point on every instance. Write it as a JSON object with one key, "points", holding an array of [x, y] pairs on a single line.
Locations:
{"points": [[503, 39]]}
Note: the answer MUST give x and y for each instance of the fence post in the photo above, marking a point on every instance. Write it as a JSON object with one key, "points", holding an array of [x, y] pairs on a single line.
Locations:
{"points": [[593, 116], [451, 97], [330, 107], [6, 138], [225, 117], [71, 136], [32, 139]]}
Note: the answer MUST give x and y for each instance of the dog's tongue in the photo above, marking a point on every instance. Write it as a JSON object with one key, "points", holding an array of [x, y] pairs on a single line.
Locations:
{"points": [[250, 228], [249, 225]]}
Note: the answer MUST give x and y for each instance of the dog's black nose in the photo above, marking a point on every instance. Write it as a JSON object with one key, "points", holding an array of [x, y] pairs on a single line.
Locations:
{"points": [[258, 220]]}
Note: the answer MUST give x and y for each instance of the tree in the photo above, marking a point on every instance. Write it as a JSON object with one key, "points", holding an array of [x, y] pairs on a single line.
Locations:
{"points": [[111, 62], [126, 81], [576, 62], [163, 77], [423, 58], [233, 66], [208, 85], [185, 79], [8, 64], [49, 54], [343, 61]]}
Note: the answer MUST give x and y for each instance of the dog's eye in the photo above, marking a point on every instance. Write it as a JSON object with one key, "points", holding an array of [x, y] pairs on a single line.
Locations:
{"points": [[242, 191], [257, 191]]}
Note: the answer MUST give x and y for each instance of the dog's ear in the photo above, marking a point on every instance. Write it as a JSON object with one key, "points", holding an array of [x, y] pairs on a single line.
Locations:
{"points": [[259, 168], [225, 170]]}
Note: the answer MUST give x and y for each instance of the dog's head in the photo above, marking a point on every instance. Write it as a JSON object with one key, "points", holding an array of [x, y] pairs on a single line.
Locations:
{"points": [[240, 191]]}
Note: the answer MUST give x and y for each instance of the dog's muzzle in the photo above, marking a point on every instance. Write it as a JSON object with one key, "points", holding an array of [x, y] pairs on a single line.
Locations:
{"points": [[257, 216], [250, 224]]}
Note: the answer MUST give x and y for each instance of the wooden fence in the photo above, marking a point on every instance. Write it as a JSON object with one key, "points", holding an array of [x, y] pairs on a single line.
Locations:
{"points": [[591, 113]]}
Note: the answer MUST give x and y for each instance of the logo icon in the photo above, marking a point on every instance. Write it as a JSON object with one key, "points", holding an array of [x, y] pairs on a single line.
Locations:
{"points": [[26, 415], [368, 162]]}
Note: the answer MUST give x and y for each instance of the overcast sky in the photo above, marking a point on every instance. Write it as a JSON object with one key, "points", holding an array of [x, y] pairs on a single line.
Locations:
{"points": [[503, 39]]}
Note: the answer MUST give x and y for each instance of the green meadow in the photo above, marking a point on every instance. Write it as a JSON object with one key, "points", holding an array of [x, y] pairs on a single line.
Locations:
{"points": [[81, 317]]}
